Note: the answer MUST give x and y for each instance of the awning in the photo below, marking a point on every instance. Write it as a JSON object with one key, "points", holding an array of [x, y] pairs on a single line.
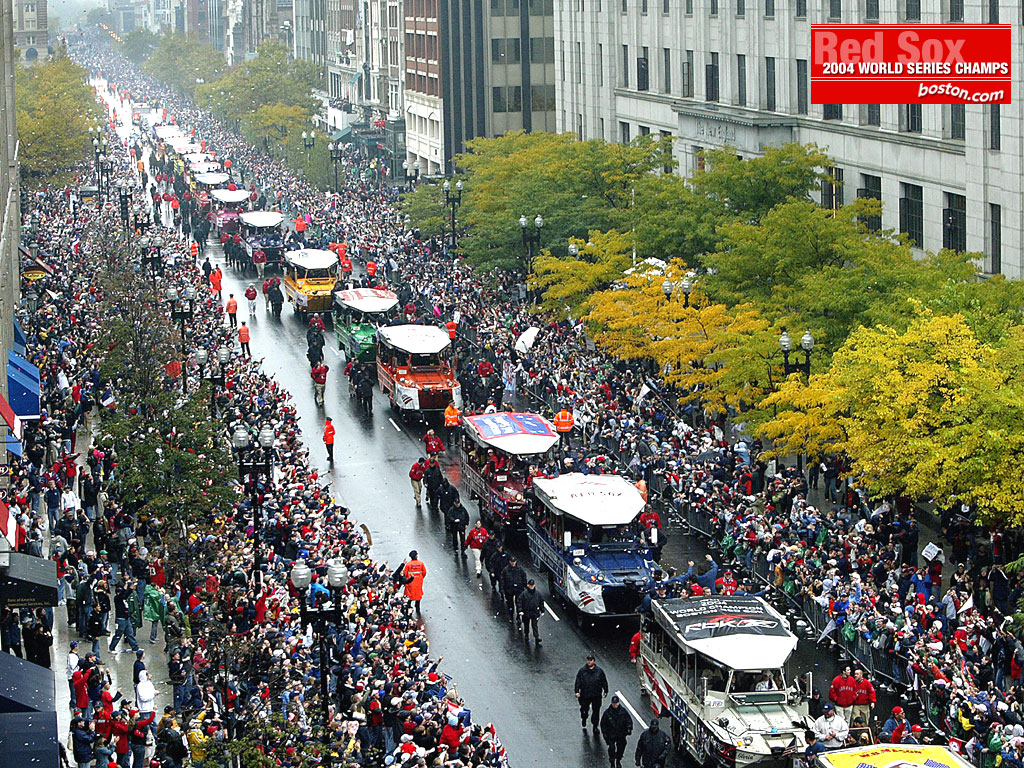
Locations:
{"points": [[20, 339], [24, 686], [23, 386], [10, 418], [343, 134], [31, 582]]}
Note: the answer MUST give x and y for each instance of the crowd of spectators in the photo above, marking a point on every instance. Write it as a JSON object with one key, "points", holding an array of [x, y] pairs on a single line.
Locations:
{"points": [[854, 562]]}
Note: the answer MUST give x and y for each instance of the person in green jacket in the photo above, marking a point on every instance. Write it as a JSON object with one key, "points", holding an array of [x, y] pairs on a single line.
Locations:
{"points": [[154, 609]]}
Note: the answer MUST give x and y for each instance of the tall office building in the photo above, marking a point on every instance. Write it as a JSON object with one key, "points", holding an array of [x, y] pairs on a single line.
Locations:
{"points": [[475, 68], [309, 29], [10, 197], [31, 33], [716, 73]]}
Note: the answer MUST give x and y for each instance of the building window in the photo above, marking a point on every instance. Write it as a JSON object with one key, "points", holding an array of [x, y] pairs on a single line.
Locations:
{"points": [[577, 62], [714, 7], [579, 127], [832, 112], [625, 67], [666, 70], [957, 122], [956, 10], [507, 98], [769, 83], [689, 7], [995, 133], [801, 86], [643, 7], [912, 212], [871, 10], [801, 9], [835, 10], [910, 118], [741, 79], [711, 78], [911, 10], [624, 132], [698, 157], [871, 186], [688, 74], [542, 7], [624, 6], [769, 9], [667, 168], [954, 217], [542, 50], [665, 6], [643, 71], [832, 189], [993, 11], [542, 98], [873, 114], [600, 64], [741, 8], [505, 50], [643, 130], [995, 238]]}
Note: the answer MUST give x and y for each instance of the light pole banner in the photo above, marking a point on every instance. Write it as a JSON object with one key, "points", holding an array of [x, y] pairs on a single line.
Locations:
{"points": [[910, 63]]}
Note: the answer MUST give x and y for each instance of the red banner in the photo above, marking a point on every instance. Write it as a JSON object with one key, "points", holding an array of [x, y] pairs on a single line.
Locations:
{"points": [[910, 63], [173, 369]]}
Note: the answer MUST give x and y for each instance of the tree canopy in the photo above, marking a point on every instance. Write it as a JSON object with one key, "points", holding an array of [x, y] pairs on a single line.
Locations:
{"points": [[55, 110]]}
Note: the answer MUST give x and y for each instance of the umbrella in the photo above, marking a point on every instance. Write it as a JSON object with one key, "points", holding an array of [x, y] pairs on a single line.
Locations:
{"points": [[526, 339]]}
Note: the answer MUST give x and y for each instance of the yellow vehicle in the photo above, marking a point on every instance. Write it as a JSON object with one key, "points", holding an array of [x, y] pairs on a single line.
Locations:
{"points": [[309, 278]]}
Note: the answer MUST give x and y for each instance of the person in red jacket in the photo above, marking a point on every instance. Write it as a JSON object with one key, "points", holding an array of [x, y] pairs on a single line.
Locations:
{"points": [[634, 646], [843, 693], [451, 735], [433, 443], [416, 472], [866, 697], [475, 540], [727, 584], [119, 730], [80, 682]]}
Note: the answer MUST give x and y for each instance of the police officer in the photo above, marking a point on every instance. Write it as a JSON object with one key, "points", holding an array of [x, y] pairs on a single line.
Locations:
{"points": [[652, 748], [591, 687], [616, 727], [513, 581], [529, 604], [498, 562]]}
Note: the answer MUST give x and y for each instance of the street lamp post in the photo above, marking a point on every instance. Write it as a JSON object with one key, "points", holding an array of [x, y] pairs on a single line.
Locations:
{"points": [[183, 308], [308, 140], [255, 462], [531, 238], [786, 345], [124, 197], [685, 285], [337, 153], [453, 202], [320, 617], [106, 167], [215, 373]]}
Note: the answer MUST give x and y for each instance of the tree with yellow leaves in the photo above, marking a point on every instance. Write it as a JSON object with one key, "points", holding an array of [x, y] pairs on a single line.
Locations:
{"points": [[591, 266], [641, 319], [929, 412]]}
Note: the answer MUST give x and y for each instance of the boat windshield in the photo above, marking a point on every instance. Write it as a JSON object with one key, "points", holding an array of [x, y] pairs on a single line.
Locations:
{"points": [[424, 361], [318, 274], [615, 536]]}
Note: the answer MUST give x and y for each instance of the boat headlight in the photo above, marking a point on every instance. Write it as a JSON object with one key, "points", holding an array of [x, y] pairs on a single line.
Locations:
{"points": [[724, 722]]}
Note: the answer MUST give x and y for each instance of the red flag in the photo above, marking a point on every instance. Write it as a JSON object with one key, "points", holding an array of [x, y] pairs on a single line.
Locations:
{"points": [[173, 369]]}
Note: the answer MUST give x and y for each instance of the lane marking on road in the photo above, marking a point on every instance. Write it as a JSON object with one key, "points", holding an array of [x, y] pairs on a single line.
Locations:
{"points": [[629, 708], [397, 428], [551, 613]]}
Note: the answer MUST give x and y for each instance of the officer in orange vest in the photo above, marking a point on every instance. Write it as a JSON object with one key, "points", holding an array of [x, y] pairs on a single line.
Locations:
{"points": [[243, 339], [194, 250], [329, 440], [452, 417], [564, 423], [453, 328]]}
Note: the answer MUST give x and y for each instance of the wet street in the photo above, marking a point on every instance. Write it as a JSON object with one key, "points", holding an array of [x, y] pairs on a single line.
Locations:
{"points": [[525, 690]]}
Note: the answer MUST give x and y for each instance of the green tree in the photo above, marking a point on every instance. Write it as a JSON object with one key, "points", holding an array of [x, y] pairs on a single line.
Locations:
{"points": [[269, 78], [139, 44], [425, 209], [577, 186], [750, 188], [275, 123], [55, 109], [674, 221], [185, 63]]}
